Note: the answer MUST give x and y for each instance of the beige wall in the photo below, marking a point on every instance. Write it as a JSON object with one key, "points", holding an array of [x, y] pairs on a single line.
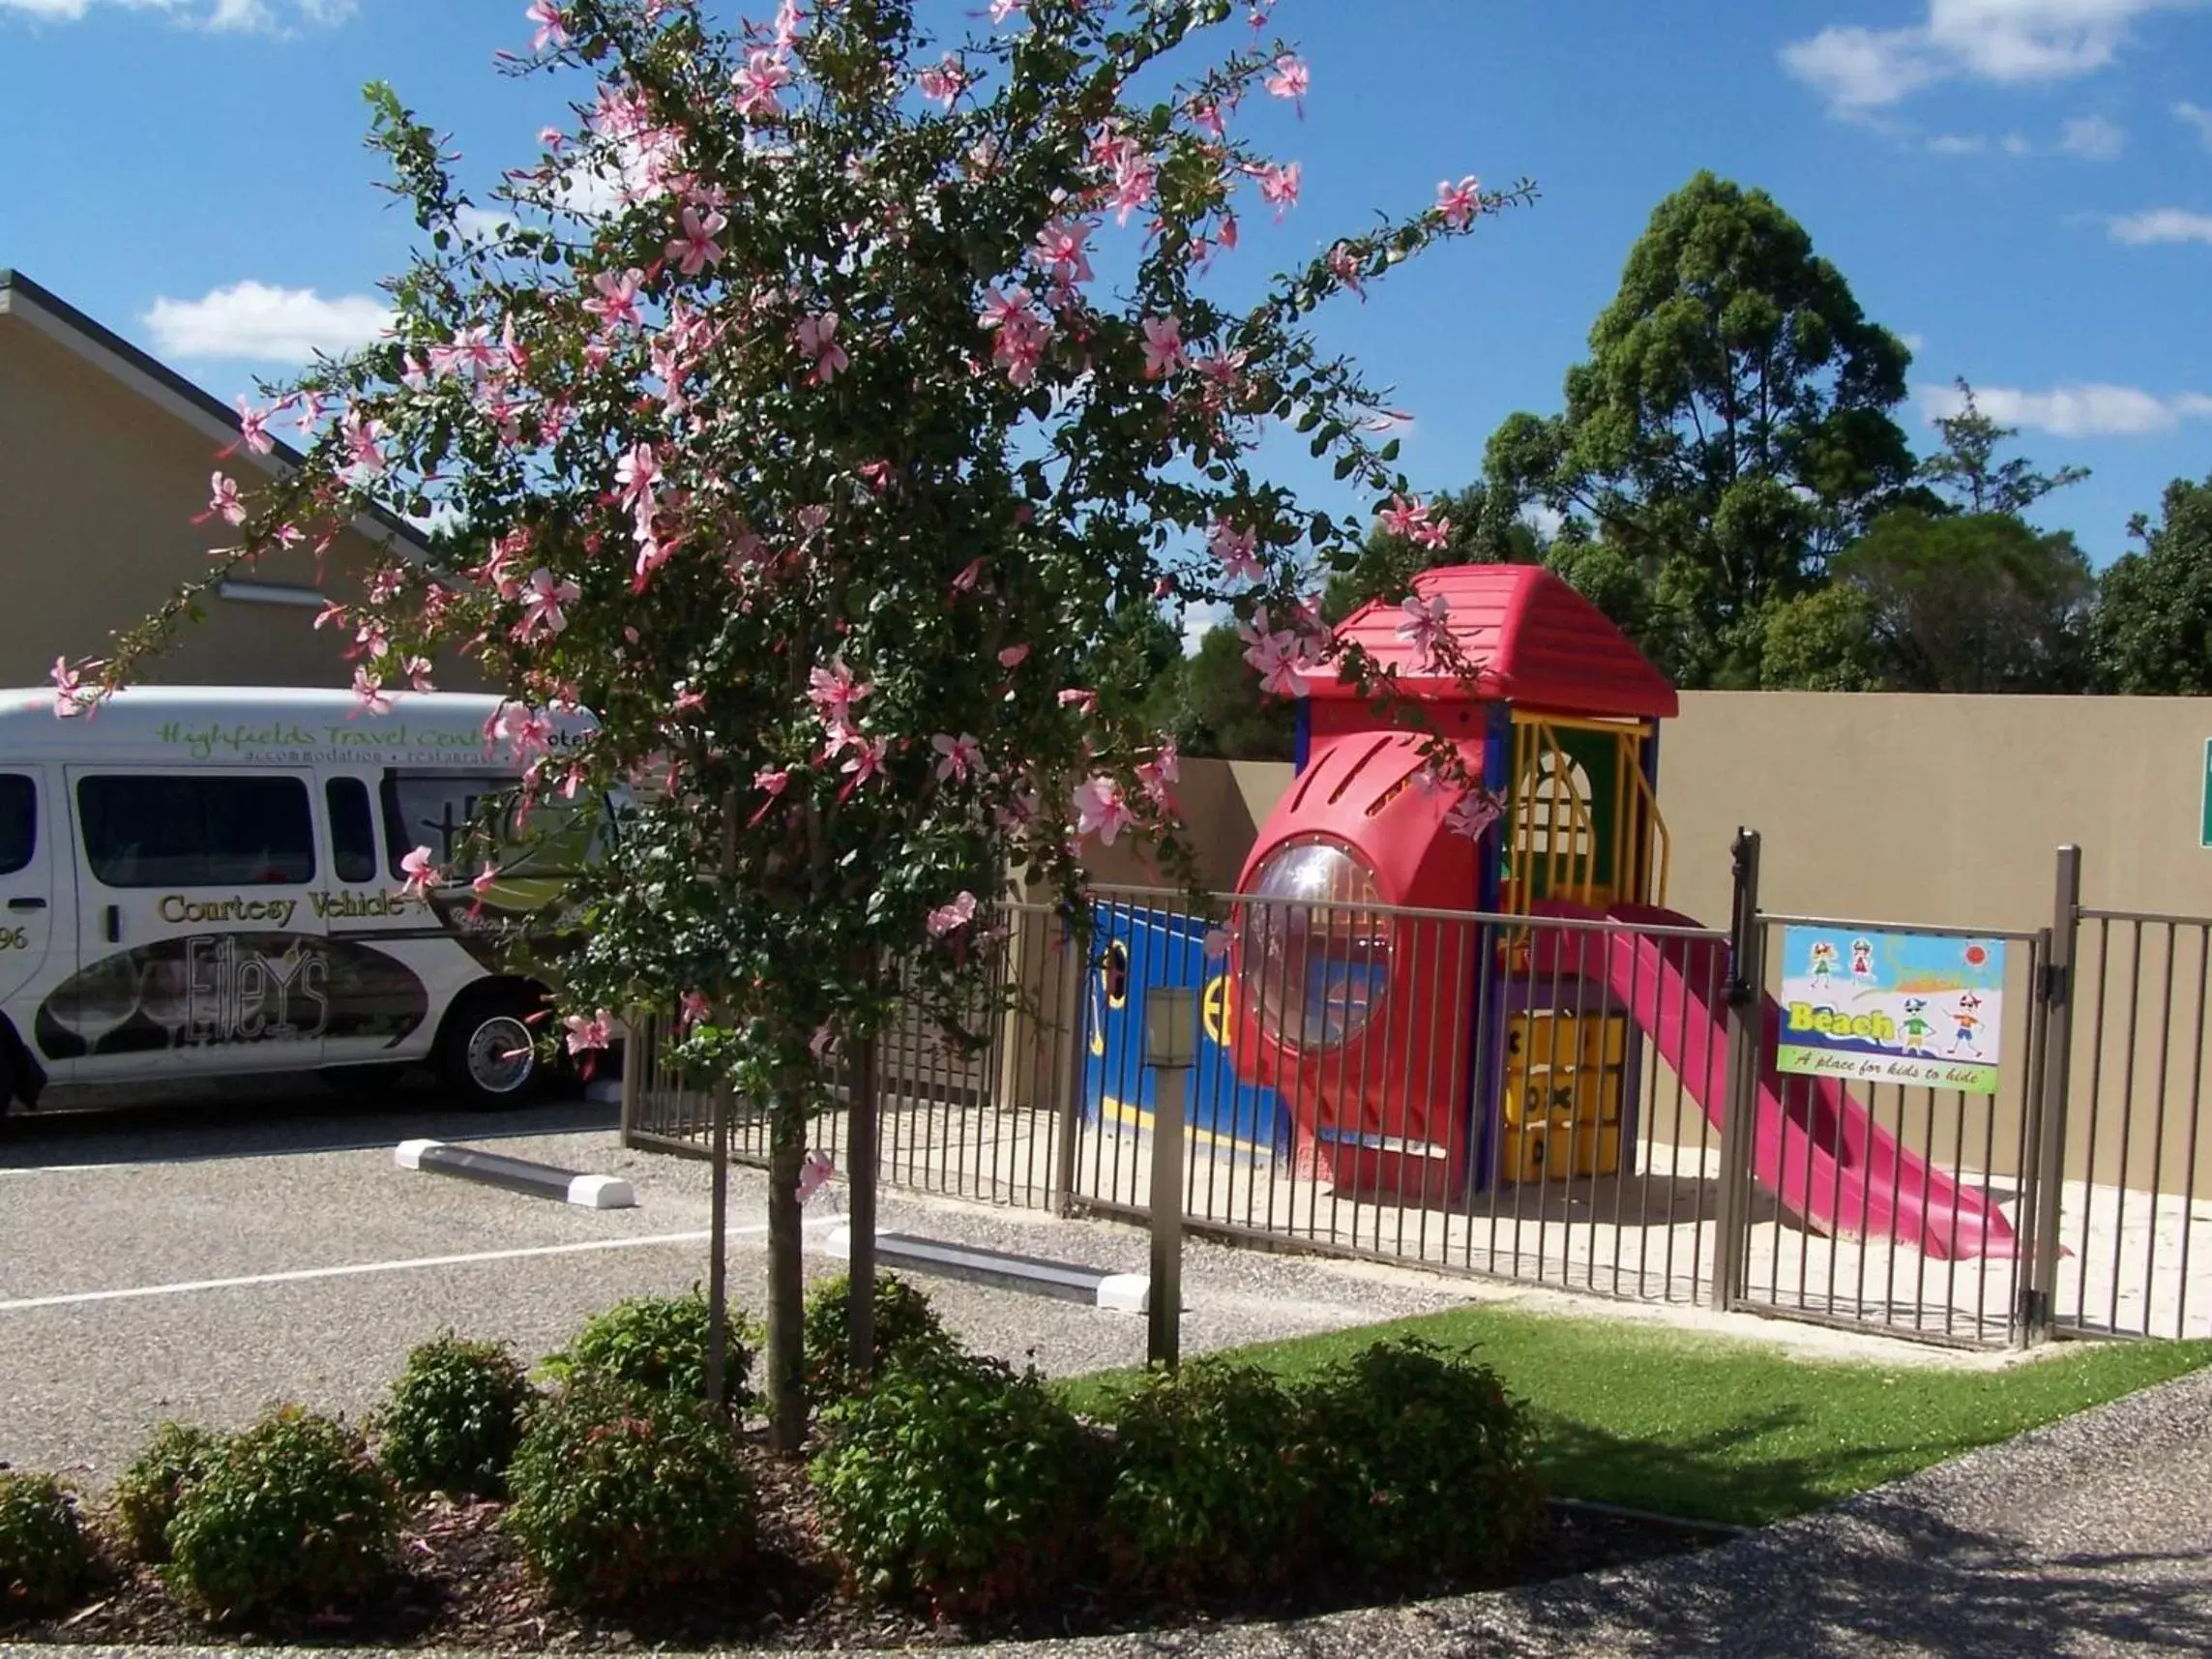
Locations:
{"points": [[100, 486]]}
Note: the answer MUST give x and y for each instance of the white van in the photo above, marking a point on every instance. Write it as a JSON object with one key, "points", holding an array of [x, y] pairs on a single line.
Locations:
{"points": [[203, 883]]}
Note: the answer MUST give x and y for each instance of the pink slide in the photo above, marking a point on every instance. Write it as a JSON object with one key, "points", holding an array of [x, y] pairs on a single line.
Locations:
{"points": [[1813, 1147]]}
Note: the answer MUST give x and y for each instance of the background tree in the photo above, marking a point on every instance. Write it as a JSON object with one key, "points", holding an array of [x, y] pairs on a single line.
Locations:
{"points": [[1966, 470], [1729, 432], [794, 437], [2152, 632], [1213, 706], [1975, 602]]}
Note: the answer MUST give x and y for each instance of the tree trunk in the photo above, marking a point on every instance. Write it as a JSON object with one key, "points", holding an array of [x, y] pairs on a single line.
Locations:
{"points": [[784, 1383]]}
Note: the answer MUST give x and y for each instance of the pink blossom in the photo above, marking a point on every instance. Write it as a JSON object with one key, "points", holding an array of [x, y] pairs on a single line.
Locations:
{"points": [[877, 475], [1279, 655], [1278, 183], [359, 436], [1153, 776], [553, 25], [1217, 943], [943, 82], [1291, 79], [485, 879], [544, 599], [421, 874], [863, 758], [1101, 808], [1237, 550], [696, 249], [1063, 250], [253, 428], [759, 83], [1206, 117], [1474, 812], [970, 572], [1415, 521], [368, 693], [691, 1008], [1134, 180], [822, 1041], [951, 917], [1021, 333], [957, 756], [1163, 346], [1075, 696], [71, 699], [818, 338], [616, 304], [1013, 656], [1426, 627], [815, 1172], [637, 472], [527, 732], [833, 690], [222, 500], [418, 673], [772, 781], [589, 1032], [1001, 9], [1345, 266], [1460, 202]]}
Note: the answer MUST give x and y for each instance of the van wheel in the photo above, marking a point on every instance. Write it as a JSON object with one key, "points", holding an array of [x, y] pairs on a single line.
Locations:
{"points": [[491, 1056]]}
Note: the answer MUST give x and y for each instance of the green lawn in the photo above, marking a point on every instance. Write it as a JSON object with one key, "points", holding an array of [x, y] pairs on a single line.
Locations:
{"points": [[1727, 1430]]}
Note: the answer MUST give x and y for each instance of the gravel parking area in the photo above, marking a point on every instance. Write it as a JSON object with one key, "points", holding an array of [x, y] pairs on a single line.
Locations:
{"points": [[204, 1255]]}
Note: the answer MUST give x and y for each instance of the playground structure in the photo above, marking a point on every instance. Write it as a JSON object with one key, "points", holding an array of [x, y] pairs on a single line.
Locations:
{"points": [[1404, 1010]]}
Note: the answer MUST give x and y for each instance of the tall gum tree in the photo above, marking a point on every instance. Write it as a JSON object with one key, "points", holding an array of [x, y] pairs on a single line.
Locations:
{"points": [[784, 424]]}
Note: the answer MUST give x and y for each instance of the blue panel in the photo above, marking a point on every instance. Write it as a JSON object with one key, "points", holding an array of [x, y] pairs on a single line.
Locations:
{"points": [[1118, 1086], [1304, 742]]}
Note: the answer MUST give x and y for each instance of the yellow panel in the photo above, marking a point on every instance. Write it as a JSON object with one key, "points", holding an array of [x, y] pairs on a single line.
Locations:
{"points": [[1596, 1097], [1553, 1151], [1540, 1093], [1605, 1040], [1597, 1151]]}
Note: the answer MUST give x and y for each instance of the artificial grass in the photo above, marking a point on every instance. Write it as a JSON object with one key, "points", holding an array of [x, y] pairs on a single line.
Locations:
{"points": [[1723, 1429]]}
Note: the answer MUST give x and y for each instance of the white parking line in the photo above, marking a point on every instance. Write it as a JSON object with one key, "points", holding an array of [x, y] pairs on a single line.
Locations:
{"points": [[301, 1275]]}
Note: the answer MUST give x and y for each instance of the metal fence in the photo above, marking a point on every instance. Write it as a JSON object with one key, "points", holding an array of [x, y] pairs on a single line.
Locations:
{"points": [[1585, 1102]]}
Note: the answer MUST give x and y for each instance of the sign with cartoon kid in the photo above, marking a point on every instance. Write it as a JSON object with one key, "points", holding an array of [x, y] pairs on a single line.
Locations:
{"points": [[1919, 1009]]}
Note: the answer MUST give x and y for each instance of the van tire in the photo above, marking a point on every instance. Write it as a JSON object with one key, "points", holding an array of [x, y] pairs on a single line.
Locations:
{"points": [[483, 1035]]}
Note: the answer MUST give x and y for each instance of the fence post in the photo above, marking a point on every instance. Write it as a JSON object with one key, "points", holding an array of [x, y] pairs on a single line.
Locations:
{"points": [[637, 1060], [863, 1172], [2044, 1179], [1072, 977], [1739, 1129], [1170, 1047]]}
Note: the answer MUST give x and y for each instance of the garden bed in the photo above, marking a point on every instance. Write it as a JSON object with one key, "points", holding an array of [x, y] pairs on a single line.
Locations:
{"points": [[463, 1583]]}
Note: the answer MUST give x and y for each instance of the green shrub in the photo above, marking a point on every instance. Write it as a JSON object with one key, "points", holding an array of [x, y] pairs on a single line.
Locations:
{"points": [[657, 1344], [453, 1418], [954, 1483], [906, 1326], [290, 1516], [619, 1495], [1215, 1481], [1430, 1464], [43, 1557], [146, 1493]]}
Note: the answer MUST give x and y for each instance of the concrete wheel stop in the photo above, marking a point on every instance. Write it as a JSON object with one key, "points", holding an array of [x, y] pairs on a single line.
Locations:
{"points": [[1063, 1281], [516, 1174]]}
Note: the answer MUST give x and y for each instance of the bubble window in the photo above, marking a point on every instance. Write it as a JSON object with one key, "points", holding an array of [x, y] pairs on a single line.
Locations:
{"points": [[1314, 955]]}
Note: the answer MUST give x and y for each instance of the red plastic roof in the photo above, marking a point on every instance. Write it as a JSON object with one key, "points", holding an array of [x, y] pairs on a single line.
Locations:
{"points": [[1539, 645]]}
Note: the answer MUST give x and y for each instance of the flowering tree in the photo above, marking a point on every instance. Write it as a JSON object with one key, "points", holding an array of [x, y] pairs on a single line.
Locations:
{"points": [[783, 422]]}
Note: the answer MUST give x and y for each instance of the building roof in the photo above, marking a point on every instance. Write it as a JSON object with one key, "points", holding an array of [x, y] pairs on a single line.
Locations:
{"points": [[154, 380], [1536, 644]]}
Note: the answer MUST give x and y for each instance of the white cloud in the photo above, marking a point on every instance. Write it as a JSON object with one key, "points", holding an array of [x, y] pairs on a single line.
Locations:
{"points": [[1916, 344], [1958, 144], [255, 322], [2008, 42], [480, 223], [2080, 410], [2160, 224], [1200, 620], [1546, 521], [2198, 116], [2093, 139], [227, 16], [2017, 144]]}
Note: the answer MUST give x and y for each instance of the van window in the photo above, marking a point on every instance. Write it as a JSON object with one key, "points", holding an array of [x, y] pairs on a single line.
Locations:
{"points": [[448, 812], [18, 821], [352, 830], [196, 832]]}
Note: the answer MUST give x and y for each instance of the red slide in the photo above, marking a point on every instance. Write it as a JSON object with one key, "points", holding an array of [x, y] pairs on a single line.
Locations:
{"points": [[1813, 1147]]}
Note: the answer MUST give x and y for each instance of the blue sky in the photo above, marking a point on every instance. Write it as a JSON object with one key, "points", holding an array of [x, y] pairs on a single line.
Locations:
{"points": [[2021, 188]]}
